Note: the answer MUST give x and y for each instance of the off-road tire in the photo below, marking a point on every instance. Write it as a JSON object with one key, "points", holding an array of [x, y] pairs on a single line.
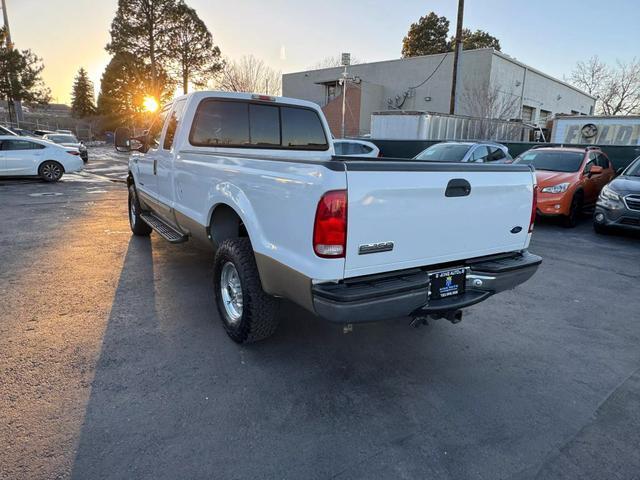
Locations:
{"points": [[259, 318], [571, 220], [138, 226]]}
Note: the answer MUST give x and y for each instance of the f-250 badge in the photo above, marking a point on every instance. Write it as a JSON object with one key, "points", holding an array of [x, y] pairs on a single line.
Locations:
{"points": [[367, 248]]}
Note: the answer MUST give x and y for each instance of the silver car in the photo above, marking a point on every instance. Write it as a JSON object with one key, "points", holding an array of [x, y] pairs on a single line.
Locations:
{"points": [[481, 152], [68, 140]]}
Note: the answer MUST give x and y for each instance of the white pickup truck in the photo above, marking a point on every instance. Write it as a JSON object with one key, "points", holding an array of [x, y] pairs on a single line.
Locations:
{"points": [[349, 239]]}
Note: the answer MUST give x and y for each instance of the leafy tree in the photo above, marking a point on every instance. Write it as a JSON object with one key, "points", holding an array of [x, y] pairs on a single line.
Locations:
{"points": [[124, 84], [143, 29], [427, 36], [82, 101], [478, 39], [195, 58], [250, 74], [20, 74]]}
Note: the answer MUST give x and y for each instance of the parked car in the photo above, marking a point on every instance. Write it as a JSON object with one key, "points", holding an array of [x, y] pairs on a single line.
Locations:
{"points": [[465, 152], [254, 178], [6, 131], [619, 202], [569, 179], [22, 156], [41, 133], [355, 148], [68, 141], [22, 132]]}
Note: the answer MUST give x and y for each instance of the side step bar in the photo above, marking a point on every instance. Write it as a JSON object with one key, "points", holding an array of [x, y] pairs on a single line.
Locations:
{"points": [[167, 232]]}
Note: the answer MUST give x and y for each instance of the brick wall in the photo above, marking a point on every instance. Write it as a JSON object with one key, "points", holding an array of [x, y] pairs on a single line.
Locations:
{"points": [[333, 112]]}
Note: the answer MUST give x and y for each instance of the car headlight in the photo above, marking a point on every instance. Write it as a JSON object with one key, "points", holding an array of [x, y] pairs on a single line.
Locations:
{"points": [[560, 188], [608, 194]]}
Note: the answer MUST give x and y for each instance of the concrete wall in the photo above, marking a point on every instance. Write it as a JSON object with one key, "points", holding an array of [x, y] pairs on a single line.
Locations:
{"points": [[390, 80], [535, 89]]}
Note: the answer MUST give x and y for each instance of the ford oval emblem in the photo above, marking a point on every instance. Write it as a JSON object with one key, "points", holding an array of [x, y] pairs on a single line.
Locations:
{"points": [[515, 230]]}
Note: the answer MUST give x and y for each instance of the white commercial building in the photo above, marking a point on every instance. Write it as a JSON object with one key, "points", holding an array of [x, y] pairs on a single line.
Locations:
{"points": [[491, 84]]}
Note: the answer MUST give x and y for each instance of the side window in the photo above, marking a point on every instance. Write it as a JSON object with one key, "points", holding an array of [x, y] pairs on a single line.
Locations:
{"points": [[221, 124], [366, 149], [602, 161], [480, 154], [172, 126], [338, 148], [155, 130], [20, 145], [302, 129], [495, 153], [591, 162]]}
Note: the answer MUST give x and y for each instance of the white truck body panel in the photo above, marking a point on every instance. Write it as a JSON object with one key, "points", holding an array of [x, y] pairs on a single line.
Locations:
{"points": [[410, 209]]}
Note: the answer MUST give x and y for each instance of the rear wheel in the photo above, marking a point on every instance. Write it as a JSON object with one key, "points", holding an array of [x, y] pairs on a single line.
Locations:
{"points": [[138, 226], [571, 220], [247, 312], [50, 171]]}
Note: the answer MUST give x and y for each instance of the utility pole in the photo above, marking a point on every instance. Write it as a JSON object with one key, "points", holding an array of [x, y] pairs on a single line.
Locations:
{"points": [[346, 60], [17, 104], [456, 57]]}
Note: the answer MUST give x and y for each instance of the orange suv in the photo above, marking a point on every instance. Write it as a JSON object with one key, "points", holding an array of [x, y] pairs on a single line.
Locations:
{"points": [[569, 179]]}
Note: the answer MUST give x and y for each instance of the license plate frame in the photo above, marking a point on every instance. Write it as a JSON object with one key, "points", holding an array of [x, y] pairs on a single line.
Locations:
{"points": [[447, 283]]}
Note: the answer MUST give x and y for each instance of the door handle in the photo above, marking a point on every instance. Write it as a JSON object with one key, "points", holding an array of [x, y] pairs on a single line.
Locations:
{"points": [[155, 166], [457, 187]]}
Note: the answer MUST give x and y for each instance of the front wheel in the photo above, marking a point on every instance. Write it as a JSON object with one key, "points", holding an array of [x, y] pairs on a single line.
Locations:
{"points": [[50, 171], [571, 220], [138, 226], [247, 312]]}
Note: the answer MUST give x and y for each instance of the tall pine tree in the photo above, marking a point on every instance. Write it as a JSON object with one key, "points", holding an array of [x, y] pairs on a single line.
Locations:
{"points": [[195, 59], [82, 100], [142, 28]]}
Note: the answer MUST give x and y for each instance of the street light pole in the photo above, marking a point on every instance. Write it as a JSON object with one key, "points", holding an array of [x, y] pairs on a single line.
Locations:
{"points": [[346, 60], [17, 104], [456, 57]]}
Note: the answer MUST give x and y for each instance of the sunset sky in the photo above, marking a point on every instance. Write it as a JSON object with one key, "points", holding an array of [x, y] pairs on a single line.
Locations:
{"points": [[293, 35]]}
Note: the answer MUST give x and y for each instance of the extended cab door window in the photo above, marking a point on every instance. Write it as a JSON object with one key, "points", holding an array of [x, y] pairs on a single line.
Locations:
{"points": [[172, 125], [155, 130]]}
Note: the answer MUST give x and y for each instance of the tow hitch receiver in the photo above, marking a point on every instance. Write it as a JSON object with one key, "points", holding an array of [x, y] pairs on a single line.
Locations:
{"points": [[454, 316]]}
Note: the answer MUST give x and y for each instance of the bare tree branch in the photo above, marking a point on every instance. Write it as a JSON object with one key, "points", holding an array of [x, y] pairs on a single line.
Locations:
{"points": [[250, 74]]}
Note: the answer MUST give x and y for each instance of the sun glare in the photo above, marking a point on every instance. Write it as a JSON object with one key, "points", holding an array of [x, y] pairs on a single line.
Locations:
{"points": [[150, 104]]}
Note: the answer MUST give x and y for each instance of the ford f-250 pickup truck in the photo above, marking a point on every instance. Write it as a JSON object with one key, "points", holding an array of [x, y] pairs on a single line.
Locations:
{"points": [[352, 240]]}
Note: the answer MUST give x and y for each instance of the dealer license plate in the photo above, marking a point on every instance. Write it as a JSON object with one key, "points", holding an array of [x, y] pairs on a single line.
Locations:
{"points": [[447, 283]]}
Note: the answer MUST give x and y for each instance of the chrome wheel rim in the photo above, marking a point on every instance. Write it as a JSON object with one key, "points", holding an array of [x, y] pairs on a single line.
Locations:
{"points": [[231, 292], [132, 213], [51, 171]]}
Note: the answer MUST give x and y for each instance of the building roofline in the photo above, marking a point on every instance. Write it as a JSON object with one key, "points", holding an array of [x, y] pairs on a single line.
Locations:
{"points": [[546, 75], [437, 55]]}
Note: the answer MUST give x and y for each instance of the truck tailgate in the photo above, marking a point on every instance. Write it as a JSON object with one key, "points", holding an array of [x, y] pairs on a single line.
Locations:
{"points": [[404, 214]]}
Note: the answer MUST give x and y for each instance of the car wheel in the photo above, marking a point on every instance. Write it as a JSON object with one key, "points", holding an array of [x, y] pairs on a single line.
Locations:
{"points": [[50, 171], [571, 220], [138, 226], [247, 312]]}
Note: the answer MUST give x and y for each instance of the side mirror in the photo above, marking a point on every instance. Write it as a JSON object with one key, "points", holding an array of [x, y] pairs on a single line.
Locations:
{"points": [[122, 140], [595, 170]]}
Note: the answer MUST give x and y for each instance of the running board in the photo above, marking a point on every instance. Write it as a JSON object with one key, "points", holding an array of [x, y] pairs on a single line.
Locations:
{"points": [[167, 232]]}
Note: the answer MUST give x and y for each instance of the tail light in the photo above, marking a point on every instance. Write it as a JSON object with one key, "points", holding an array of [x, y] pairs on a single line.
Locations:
{"points": [[73, 152], [330, 227], [534, 208]]}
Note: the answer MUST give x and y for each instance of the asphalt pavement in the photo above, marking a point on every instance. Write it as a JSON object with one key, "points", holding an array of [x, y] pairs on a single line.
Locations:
{"points": [[114, 364]]}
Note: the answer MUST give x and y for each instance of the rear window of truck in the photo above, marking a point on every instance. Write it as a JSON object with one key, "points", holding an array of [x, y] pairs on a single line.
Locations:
{"points": [[238, 124]]}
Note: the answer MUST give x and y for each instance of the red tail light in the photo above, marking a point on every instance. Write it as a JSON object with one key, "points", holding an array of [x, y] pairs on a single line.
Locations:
{"points": [[73, 152], [330, 227], [534, 208]]}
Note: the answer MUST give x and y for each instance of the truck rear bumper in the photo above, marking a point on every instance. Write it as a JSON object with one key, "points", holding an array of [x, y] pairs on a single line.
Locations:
{"points": [[402, 294]]}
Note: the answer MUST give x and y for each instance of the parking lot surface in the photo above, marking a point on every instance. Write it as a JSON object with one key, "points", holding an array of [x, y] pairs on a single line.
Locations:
{"points": [[114, 363]]}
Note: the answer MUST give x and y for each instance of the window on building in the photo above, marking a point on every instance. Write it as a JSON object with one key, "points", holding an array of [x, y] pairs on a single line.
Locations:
{"points": [[332, 91], [545, 115], [527, 114]]}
